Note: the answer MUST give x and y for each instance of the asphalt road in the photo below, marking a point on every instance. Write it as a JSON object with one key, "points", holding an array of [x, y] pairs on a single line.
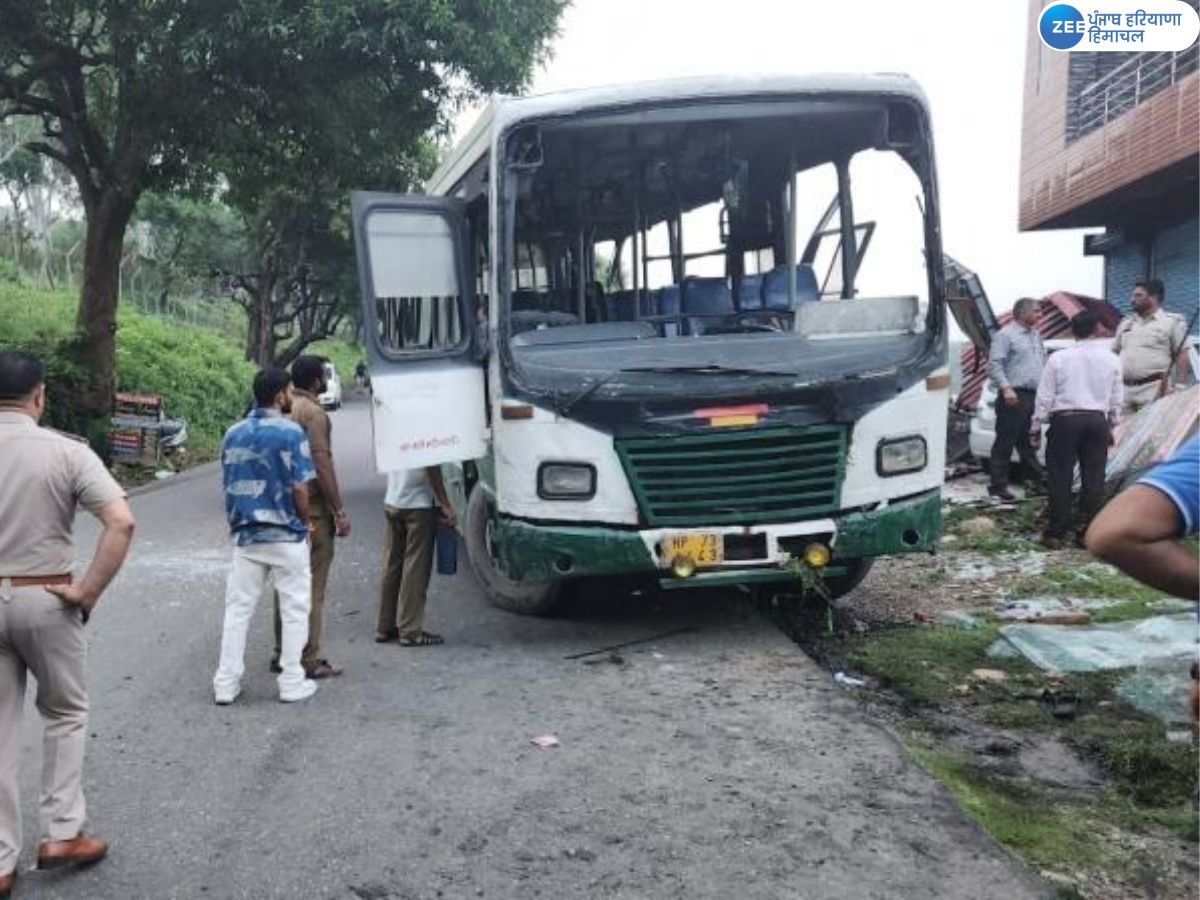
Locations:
{"points": [[715, 763]]}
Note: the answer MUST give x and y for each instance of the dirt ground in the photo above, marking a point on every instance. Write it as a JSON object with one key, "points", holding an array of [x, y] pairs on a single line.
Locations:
{"points": [[1102, 801]]}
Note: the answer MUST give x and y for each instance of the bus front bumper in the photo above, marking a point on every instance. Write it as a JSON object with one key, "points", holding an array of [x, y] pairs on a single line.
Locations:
{"points": [[538, 552]]}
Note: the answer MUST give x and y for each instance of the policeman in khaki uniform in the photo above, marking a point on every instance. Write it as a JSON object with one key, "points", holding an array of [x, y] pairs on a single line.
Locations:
{"points": [[1148, 343], [43, 476], [327, 517]]}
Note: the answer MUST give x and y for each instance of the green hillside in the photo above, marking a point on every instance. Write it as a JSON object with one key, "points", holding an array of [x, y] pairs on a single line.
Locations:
{"points": [[200, 373]]}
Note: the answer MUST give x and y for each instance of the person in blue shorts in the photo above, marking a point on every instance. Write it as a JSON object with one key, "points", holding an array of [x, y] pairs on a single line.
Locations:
{"points": [[1139, 532]]}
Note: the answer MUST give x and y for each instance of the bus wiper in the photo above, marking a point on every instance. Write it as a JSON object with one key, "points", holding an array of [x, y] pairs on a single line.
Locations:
{"points": [[711, 369], [600, 382], [566, 408]]}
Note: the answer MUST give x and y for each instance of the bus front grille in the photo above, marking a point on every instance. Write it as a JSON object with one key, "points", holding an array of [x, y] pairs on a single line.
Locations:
{"points": [[737, 478]]}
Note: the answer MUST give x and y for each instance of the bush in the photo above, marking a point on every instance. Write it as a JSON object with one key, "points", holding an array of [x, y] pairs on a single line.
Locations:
{"points": [[200, 374]]}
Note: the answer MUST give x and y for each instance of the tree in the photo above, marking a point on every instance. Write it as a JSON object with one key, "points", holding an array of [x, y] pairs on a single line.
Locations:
{"points": [[136, 96]]}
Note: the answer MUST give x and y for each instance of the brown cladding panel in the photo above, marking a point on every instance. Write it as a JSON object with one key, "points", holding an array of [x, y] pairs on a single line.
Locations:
{"points": [[1058, 178]]}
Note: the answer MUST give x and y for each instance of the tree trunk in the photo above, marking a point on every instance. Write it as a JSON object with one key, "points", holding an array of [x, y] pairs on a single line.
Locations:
{"points": [[260, 325], [107, 218], [265, 329]]}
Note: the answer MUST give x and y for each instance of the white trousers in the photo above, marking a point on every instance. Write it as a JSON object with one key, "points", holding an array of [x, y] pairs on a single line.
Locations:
{"points": [[287, 565]]}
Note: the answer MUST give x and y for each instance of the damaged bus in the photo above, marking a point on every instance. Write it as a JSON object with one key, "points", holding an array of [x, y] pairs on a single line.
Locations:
{"points": [[691, 330]]}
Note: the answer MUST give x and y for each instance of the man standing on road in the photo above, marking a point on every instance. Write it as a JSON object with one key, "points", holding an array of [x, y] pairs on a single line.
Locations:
{"points": [[1148, 342], [408, 559], [43, 477], [1015, 364], [325, 512], [266, 465], [1080, 396]]}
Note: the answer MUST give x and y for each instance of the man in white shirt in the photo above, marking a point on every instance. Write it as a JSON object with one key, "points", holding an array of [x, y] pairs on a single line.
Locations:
{"points": [[408, 559], [1080, 395]]}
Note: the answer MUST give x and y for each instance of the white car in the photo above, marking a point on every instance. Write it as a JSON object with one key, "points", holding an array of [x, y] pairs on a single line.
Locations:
{"points": [[332, 397]]}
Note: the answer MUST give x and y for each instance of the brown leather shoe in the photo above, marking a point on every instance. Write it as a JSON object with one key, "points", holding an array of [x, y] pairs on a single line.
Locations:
{"points": [[321, 668], [79, 851], [6, 884]]}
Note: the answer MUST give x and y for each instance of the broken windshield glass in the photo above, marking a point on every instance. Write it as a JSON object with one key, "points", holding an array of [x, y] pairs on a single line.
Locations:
{"points": [[689, 241]]}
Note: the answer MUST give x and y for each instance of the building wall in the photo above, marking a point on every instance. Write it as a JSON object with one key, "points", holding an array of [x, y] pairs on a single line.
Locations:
{"points": [[1058, 178], [1172, 255]]}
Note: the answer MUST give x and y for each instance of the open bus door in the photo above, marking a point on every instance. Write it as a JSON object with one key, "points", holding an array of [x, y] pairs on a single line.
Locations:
{"points": [[969, 304], [428, 403]]}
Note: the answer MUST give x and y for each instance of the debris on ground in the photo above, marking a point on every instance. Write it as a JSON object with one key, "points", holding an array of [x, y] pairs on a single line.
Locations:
{"points": [[1094, 648], [1101, 784], [1051, 610], [848, 680], [1152, 435], [546, 742], [980, 526], [1159, 688], [958, 619]]}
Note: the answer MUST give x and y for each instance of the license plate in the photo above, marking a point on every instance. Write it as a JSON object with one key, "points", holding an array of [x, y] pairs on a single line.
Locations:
{"points": [[706, 548]]}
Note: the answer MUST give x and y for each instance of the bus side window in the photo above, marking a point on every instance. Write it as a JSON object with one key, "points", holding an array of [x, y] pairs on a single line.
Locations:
{"points": [[427, 315]]}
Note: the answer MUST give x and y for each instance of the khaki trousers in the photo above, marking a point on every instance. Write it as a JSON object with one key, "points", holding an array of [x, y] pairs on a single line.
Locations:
{"points": [[1139, 396], [407, 563], [320, 562], [41, 634]]}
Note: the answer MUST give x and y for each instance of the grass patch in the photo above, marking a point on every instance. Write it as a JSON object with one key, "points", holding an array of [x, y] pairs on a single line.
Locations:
{"points": [[1155, 772], [1016, 531], [199, 372], [1136, 601], [923, 663], [1016, 816]]}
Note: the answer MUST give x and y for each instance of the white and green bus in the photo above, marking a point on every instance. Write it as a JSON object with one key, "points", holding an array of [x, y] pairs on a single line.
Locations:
{"points": [[690, 330]]}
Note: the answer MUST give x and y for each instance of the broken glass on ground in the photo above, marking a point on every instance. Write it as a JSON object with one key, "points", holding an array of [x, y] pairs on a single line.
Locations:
{"points": [[1122, 645], [1160, 688], [1160, 650]]}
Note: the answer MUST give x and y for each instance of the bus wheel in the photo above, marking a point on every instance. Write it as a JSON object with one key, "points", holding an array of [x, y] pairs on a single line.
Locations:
{"points": [[856, 571], [527, 598]]}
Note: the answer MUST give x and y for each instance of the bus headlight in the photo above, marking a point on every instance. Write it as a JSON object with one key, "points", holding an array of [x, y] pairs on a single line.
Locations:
{"points": [[566, 481], [899, 456]]}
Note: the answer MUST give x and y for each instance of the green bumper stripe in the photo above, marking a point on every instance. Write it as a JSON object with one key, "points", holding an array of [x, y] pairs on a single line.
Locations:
{"points": [[540, 552], [907, 526], [535, 552]]}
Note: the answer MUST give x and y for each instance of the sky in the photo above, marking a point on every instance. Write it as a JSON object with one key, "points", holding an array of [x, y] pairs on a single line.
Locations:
{"points": [[970, 66]]}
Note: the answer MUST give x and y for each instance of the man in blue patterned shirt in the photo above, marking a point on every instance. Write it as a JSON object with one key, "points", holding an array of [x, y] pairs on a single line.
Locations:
{"points": [[266, 465]]}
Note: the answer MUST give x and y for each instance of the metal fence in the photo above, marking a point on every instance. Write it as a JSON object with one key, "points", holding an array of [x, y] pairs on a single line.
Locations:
{"points": [[1126, 86]]}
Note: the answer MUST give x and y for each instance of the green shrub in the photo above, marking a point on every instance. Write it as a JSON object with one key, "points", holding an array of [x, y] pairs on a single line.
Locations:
{"points": [[200, 373]]}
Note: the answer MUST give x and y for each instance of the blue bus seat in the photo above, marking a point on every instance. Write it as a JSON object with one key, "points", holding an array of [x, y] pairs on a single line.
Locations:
{"points": [[775, 287], [749, 295], [705, 301]]}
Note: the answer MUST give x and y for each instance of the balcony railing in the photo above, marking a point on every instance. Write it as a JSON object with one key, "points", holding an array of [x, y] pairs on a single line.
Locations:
{"points": [[1126, 86]]}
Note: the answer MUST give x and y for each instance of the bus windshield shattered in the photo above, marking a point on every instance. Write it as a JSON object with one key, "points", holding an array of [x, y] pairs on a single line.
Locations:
{"points": [[766, 246]]}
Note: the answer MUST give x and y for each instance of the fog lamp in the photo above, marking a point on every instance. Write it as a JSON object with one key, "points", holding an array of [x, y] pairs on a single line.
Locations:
{"points": [[683, 566], [817, 556]]}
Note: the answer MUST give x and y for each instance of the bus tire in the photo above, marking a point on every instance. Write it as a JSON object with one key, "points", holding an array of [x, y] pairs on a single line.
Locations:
{"points": [[856, 571], [526, 598]]}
